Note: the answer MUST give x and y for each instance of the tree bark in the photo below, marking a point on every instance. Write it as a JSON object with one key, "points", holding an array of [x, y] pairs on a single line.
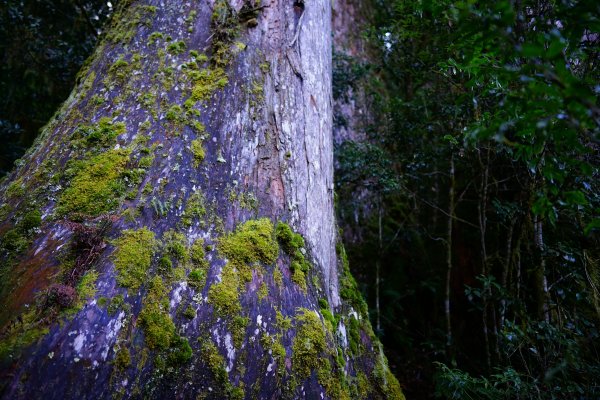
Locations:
{"points": [[171, 233]]}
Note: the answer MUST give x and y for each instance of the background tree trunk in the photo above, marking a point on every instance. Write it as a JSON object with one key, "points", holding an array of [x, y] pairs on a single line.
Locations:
{"points": [[143, 256]]}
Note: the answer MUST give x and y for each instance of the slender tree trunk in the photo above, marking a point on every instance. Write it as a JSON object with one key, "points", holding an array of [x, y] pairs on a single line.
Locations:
{"points": [[541, 282], [378, 265], [451, 199], [506, 268], [171, 233]]}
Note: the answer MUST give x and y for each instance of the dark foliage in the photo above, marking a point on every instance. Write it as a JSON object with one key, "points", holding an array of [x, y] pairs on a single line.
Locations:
{"points": [[42, 46], [478, 188]]}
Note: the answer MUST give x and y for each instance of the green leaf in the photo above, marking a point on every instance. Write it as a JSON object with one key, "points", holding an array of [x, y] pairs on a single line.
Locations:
{"points": [[575, 197], [595, 224]]}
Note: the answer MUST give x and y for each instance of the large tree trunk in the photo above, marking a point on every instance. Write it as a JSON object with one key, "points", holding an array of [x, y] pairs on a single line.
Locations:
{"points": [[146, 239]]}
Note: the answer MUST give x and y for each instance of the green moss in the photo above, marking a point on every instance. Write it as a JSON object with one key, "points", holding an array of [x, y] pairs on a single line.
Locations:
{"points": [[119, 69], [116, 303], [197, 254], [353, 328], [283, 323], [246, 200], [20, 335], [299, 278], [309, 344], [133, 256], [197, 151], [290, 241], [165, 265], [201, 59], [146, 162], [333, 383], [265, 67], [15, 189], [155, 37], [293, 244], [238, 330], [88, 83], [122, 359], [180, 352], [216, 363], [126, 21], [251, 242], [195, 208], [197, 278], [224, 295], [206, 82], [349, 291], [363, 386], [86, 288], [327, 315], [96, 186], [144, 126], [176, 245], [158, 327], [278, 277], [189, 312], [386, 381], [174, 114], [263, 291], [176, 47], [31, 220]]}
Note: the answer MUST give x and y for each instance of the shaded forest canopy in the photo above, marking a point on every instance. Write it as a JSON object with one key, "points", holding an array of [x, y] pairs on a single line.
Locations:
{"points": [[466, 190]]}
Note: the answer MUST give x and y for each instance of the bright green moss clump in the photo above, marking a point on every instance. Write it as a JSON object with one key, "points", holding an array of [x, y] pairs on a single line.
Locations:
{"points": [[16, 189], [197, 151], [224, 295], [207, 82], [96, 186], [101, 135], [176, 245], [159, 330], [174, 113], [195, 208], [133, 256], [86, 288], [176, 47], [197, 276], [157, 325], [290, 241], [309, 344], [293, 245], [156, 322], [251, 242], [180, 351]]}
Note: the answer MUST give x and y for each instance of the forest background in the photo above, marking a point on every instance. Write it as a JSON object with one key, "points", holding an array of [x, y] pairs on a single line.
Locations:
{"points": [[467, 193]]}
